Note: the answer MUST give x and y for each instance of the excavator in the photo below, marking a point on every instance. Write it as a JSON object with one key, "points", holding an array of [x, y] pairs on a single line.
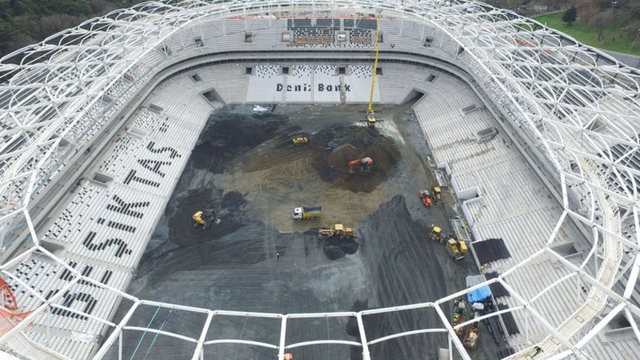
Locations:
{"points": [[425, 196], [457, 248], [364, 164], [337, 230], [204, 219]]}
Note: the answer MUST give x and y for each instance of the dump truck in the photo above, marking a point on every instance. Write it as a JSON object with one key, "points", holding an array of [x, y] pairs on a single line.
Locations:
{"points": [[338, 230], [307, 212], [300, 140], [457, 248]]}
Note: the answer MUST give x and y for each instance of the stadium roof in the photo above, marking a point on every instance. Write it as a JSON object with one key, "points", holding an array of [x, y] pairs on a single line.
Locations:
{"points": [[577, 108]]}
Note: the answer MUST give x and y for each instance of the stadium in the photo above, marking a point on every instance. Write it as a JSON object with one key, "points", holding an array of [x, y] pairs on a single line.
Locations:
{"points": [[116, 131]]}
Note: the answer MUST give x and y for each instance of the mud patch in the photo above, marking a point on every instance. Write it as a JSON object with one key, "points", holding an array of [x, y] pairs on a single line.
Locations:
{"points": [[336, 247], [336, 146], [228, 135], [228, 208]]}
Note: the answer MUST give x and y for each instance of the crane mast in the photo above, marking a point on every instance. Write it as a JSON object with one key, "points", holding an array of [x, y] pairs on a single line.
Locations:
{"points": [[371, 118]]}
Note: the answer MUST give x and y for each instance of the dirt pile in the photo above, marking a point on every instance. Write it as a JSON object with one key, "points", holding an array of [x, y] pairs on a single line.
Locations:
{"points": [[336, 247], [334, 147], [228, 135], [229, 209]]}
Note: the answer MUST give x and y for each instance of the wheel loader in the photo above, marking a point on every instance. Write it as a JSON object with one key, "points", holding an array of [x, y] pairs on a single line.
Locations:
{"points": [[457, 248], [437, 194], [435, 233], [300, 140], [337, 230]]}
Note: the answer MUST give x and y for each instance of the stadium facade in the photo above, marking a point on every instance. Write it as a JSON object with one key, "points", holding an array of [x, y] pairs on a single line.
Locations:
{"points": [[572, 111]]}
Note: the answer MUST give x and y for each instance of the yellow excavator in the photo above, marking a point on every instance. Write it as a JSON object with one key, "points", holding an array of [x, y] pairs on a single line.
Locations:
{"points": [[338, 230], [204, 219], [371, 116]]}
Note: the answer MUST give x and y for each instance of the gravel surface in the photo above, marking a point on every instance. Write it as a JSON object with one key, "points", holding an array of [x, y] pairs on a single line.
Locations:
{"points": [[258, 259]]}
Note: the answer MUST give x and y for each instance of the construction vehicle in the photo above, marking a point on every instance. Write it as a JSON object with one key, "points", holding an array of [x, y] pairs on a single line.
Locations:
{"points": [[371, 117], [457, 248], [338, 230], [425, 196], [437, 194], [205, 218], [300, 140], [364, 164], [459, 308], [435, 233], [471, 337], [307, 212]]}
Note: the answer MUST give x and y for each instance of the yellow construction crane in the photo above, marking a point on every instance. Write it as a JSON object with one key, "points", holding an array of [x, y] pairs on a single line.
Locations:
{"points": [[371, 117]]}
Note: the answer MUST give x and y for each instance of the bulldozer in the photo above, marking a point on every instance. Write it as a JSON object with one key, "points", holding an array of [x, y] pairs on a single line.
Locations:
{"points": [[204, 219], [425, 196], [435, 233], [364, 164], [337, 230], [457, 248]]}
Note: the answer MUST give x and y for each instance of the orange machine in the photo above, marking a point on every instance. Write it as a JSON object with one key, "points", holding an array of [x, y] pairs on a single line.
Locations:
{"points": [[425, 196], [365, 164]]}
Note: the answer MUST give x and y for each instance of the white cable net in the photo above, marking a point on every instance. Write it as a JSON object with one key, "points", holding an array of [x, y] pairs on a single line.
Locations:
{"points": [[575, 110]]}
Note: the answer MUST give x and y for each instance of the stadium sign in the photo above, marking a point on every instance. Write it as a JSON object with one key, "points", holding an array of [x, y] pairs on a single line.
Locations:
{"points": [[307, 87]]}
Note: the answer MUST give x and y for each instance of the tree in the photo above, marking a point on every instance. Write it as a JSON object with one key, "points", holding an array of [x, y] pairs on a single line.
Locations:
{"points": [[601, 21], [570, 15]]}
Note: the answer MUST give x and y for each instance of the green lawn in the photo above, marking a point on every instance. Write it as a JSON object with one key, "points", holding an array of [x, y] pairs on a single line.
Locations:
{"points": [[613, 38]]}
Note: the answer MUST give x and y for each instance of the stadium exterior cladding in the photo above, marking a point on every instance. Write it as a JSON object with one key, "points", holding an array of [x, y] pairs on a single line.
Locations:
{"points": [[577, 110]]}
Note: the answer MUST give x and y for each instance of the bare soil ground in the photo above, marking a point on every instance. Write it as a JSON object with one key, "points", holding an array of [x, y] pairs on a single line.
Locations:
{"points": [[259, 259]]}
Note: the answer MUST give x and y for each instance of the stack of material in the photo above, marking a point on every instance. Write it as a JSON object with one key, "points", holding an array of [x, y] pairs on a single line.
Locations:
{"points": [[491, 250]]}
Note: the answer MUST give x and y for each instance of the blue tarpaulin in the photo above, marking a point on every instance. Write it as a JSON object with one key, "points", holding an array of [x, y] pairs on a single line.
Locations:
{"points": [[478, 295]]}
